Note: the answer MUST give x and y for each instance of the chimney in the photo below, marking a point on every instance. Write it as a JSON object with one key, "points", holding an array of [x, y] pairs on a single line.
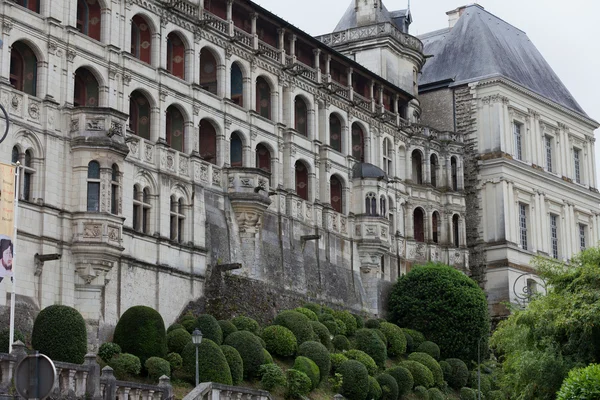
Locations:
{"points": [[367, 11], [454, 15]]}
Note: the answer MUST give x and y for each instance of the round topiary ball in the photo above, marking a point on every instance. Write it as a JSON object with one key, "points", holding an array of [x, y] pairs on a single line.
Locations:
{"points": [[243, 323], [360, 321], [459, 373], [310, 368], [468, 394], [381, 336], [299, 384], [210, 328], [298, 323], [420, 373], [325, 317], [416, 336], [108, 350], [175, 361], [421, 393], [363, 358], [355, 383], [125, 366], [331, 326], [309, 314], [410, 344], [279, 340], [373, 323], [403, 378], [431, 364], [396, 340], [336, 359], [316, 308], [177, 340], [375, 391], [236, 365], [430, 348], [268, 357], [271, 376], [212, 364], [174, 326], [341, 343], [250, 349], [369, 342], [227, 327], [322, 333], [349, 321], [49, 334], [157, 367], [389, 387], [190, 324], [319, 354], [141, 331], [436, 394]]}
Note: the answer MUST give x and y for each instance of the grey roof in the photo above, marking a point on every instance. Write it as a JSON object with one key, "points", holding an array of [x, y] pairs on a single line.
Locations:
{"points": [[482, 45], [368, 171], [348, 20]]}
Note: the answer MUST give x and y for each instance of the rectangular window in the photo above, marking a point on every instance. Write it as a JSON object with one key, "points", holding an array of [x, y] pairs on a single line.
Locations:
{"points": [[523, 225], [554, 235], [576, 159], [548, 143], [582, 229], [518, 145]]}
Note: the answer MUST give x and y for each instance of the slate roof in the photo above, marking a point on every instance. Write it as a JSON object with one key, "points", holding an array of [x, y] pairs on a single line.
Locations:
{"points": [[368, 171], [348, 20], [482, 45]]}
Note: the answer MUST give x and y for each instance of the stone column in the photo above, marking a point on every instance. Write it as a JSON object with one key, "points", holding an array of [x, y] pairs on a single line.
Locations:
{"points": [[317, 64], [281, 33], [351, 89], [157, 60], [253, 18], [230, 18]]}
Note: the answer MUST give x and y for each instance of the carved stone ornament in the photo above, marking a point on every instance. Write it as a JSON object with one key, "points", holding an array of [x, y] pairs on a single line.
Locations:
{"points": [[92, 231]]}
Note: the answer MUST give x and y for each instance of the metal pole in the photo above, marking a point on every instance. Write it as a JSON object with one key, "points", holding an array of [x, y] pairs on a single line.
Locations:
{"points": [[7, 123], [11, 335], [197, 376], [479, 369]]}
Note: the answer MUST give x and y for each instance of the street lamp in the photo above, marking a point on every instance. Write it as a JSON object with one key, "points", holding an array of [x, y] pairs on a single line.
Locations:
{"points": [[197, 339]]}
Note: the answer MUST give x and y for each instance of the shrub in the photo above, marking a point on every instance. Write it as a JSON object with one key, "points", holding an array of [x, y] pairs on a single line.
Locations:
{"points": [[322, 334], [430, 348], [262, 342], [446, 369], [349, 321], [341, 327], [210, 328], [364, 359], [108, 350], [175, 361], [499, 395], [327, 310], [309, 314], [416, 336], [309, 367], [250, 350], [381, 336], [455, 321], [431, 364], [341, 343], [268, 357], [468, 394], [420, 373], [396, 341], [174, 327], [355, 384], [389, 387], [360, 321], [459, 373], [368, 341], [331, 326], [410, 343], [4, 339], [279, 340], [319, 354], [177, 340], [243, 323], [157, 367], [373, 323], [141, 331], [403, 377], [336, 359], [190, 324], [236, 365], [325, 317], [299, 384], [374, 389], [212, 364], [485, 382], [421, 393], [436, 394], [271, 376], [49, 336], [125, 366], [298, 323], [227, 327], [316, 308]]}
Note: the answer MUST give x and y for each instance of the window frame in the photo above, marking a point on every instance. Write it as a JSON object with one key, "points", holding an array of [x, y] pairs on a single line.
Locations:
{"points": [[549, 152], [523, 226], [582, 228], [518, 140], [577, 166], [93, 182], [554, 249]]}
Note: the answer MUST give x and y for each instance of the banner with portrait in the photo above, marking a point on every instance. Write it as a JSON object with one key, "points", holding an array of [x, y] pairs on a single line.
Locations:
{"points": [[7, 219]]}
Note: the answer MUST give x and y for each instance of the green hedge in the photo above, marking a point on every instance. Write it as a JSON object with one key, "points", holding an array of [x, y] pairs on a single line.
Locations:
{"points": [[403, 377], [381, 336], [395, 338], [271, 377], [421, 393], [236, 365], [446, 369], [227, 327], [210, 328], [250, 349], [581, 383], [268, 357], [331, 326], [50, 336], [360, 321], [436, 394], [355, 380], [420, 373], [368, 341], [309, 313], [4, 339], [299, 384], [316, 308], [319, 354], [375, 391], [243, 323], [410, 343], [459, 373], [298, 323], [279, 340], [125, 366], [157, 367], [177, 340], [341, 343], [341, 327], [485, 382], [336, 359], [430, 348], [373, 324], [108, 350], [212, 364], [468, 394], [174, 326], [310, 368], [364, 359], [349, 321], [175, 361], [416, 336], [141, 331], [389, 387], [431, 364], [325, 317], [322, 333]]}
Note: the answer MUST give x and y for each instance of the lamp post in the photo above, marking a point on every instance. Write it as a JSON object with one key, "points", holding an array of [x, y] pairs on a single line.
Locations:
{"points": [[197, 339], [479, 367]]}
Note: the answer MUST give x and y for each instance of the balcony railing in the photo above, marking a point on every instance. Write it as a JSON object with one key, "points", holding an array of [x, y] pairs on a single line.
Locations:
{"points": [[268, 51], [244, 37], [421, 130]]}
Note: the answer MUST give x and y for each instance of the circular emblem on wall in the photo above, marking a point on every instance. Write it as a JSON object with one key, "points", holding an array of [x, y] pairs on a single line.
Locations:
{"points": [[145, 44]]}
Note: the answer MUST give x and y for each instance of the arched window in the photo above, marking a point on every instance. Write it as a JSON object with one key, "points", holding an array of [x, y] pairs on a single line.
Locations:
{"points": [[419, 225], [301, 180], [139, 115], [114, 190], [86, 89], [93, 187], [208, 141], [237, 85], [300, 116], [141, 209], [89, 18], [358, 142], [454, 172], [33, 5], [387, 156], [336, 193], [141, 39], [263, 98], [433, 160], [23, 68], [236, 152], [435, 229], [175, 55], [335, 133], [177, 214], [26, 173], [417, 167], [208, 71], [15, 155], [455, 231], [371, 204], [263, 158], [382, 206], [175, 129]]}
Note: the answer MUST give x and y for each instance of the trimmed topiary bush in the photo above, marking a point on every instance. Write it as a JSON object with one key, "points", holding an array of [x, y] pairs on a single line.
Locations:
{"points": [[177, 340], [420, 373], [355, 384], [125, 366], [250, 350], [210, 328], [369, 342], [396, 340], [421, 393], [410, 344], [262, 342], [299, 384], [364, 359], [141, 331], [4, 339], [403, 377], [341, 327], [360, 321], [389, 387], [430, 348], [325, 317], [431, 364], [190, 325], [341, 343], [459, 373], [49, 336], [331, 326], [236, 365], [468, 394], [175, 361], [310, 368], [212, 364], [174, 327], [157, 367], [446, 369], [227, 327], [436, 394], [298, 323], [336, 359], [243, 323], [322, 333], [271, 377], [108, 350], [417, 337], [349, 321], [279, 340], [309, 314], [319, 354], [374, 389], [268, 357], [485, 382], [381, 336], [316, 308], [373, 323]]}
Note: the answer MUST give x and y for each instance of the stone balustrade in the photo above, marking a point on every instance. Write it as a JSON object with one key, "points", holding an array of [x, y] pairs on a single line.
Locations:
{"points": [[217, 391]]}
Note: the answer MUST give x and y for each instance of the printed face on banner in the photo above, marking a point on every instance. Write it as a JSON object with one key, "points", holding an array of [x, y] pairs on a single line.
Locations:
{"points": [[7, 213]]}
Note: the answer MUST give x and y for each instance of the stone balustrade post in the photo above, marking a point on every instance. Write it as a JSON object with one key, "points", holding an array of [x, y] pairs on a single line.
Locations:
{"points": [[92, 385], [165, 384], [19, 351], [110, 383]]}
